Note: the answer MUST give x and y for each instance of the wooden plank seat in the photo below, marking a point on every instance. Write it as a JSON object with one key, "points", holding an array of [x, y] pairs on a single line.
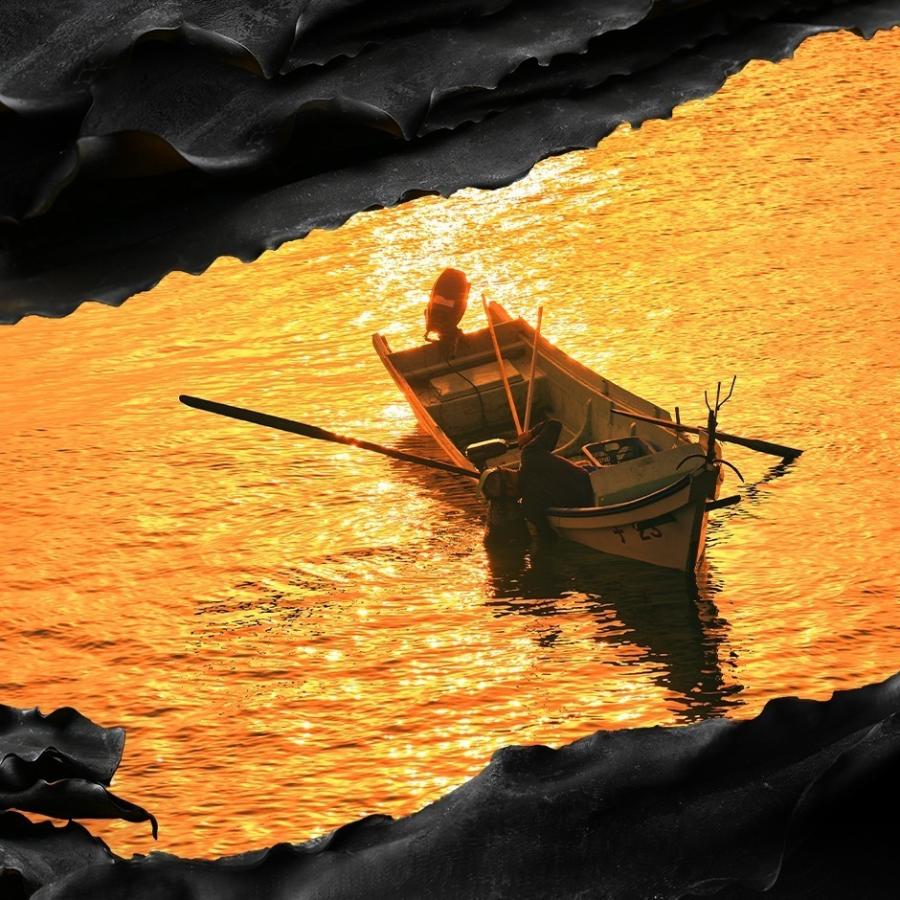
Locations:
{"points": [[473, 401], [452, 385]]}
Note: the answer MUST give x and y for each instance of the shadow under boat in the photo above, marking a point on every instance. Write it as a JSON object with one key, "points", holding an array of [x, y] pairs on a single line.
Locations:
{"points": [[671, 619]]}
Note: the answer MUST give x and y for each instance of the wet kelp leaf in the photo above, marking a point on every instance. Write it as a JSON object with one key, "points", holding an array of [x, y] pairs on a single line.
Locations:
{"points": [[329, 29], [51, 49], [62, 744], [74, 798], [147, 137], [60, 765], [33, 854], [56, 765], [734, 808]]}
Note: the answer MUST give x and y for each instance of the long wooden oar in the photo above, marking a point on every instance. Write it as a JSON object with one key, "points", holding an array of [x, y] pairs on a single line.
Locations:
{"points": [[749, 443], [312, 431], [534, 355], [499, 355]]}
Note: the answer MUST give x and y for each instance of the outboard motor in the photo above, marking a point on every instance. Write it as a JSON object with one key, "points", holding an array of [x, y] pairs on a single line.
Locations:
{"points": [[505, 523], [483, 451], [447, 305]]}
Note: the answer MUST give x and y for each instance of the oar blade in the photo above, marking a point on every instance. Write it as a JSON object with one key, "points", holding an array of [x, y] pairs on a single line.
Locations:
{"points": [[258, 418], [759, 446]]}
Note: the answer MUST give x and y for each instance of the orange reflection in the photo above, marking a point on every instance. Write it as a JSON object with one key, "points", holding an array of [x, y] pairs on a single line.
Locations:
{"points": [[295, 636]]}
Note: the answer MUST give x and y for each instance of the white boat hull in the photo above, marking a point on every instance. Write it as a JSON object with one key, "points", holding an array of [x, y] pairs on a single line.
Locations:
{"points": [[667, 528]]}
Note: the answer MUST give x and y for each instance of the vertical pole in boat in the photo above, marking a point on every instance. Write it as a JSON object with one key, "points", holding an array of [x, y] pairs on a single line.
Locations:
{"points": [[509, 396], [534, 355], [712, 422]]}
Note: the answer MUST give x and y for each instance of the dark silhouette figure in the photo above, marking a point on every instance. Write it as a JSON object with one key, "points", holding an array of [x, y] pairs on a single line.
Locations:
{"points": [[546, 480]]}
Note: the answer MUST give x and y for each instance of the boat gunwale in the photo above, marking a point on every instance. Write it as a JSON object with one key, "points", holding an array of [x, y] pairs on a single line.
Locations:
{"points": [[383, 349], [571, 368], [581, 512], [567, 367]]}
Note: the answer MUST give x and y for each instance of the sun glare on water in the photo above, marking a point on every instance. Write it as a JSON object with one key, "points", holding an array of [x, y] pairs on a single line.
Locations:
{"points": [[295, 635]]}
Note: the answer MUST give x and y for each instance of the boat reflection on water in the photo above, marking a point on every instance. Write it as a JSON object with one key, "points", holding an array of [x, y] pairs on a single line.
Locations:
{"points": [[672, 621], [751, 490]]}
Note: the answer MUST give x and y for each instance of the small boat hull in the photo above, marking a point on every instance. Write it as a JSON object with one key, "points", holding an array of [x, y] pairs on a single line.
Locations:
{"points": [[667, 528], [652, 509]]}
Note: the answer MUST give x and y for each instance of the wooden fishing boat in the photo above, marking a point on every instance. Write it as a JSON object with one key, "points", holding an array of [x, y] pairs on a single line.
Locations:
{"points": [[653, 486]]}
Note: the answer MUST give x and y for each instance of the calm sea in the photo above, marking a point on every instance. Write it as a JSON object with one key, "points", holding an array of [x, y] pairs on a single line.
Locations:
{"points": [[295, 635]]}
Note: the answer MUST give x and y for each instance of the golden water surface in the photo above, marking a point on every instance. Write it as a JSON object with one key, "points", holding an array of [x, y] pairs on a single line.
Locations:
{"points": [[295, 634]]}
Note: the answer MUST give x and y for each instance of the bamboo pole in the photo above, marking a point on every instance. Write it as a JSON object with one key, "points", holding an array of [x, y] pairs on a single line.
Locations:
{"points": [[499, 355], [534, 355], [750, 443]]}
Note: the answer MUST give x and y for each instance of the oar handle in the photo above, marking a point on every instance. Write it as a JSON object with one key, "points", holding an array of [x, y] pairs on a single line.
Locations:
{"points": [[529, 399], [750, 443], [313, 431]]}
